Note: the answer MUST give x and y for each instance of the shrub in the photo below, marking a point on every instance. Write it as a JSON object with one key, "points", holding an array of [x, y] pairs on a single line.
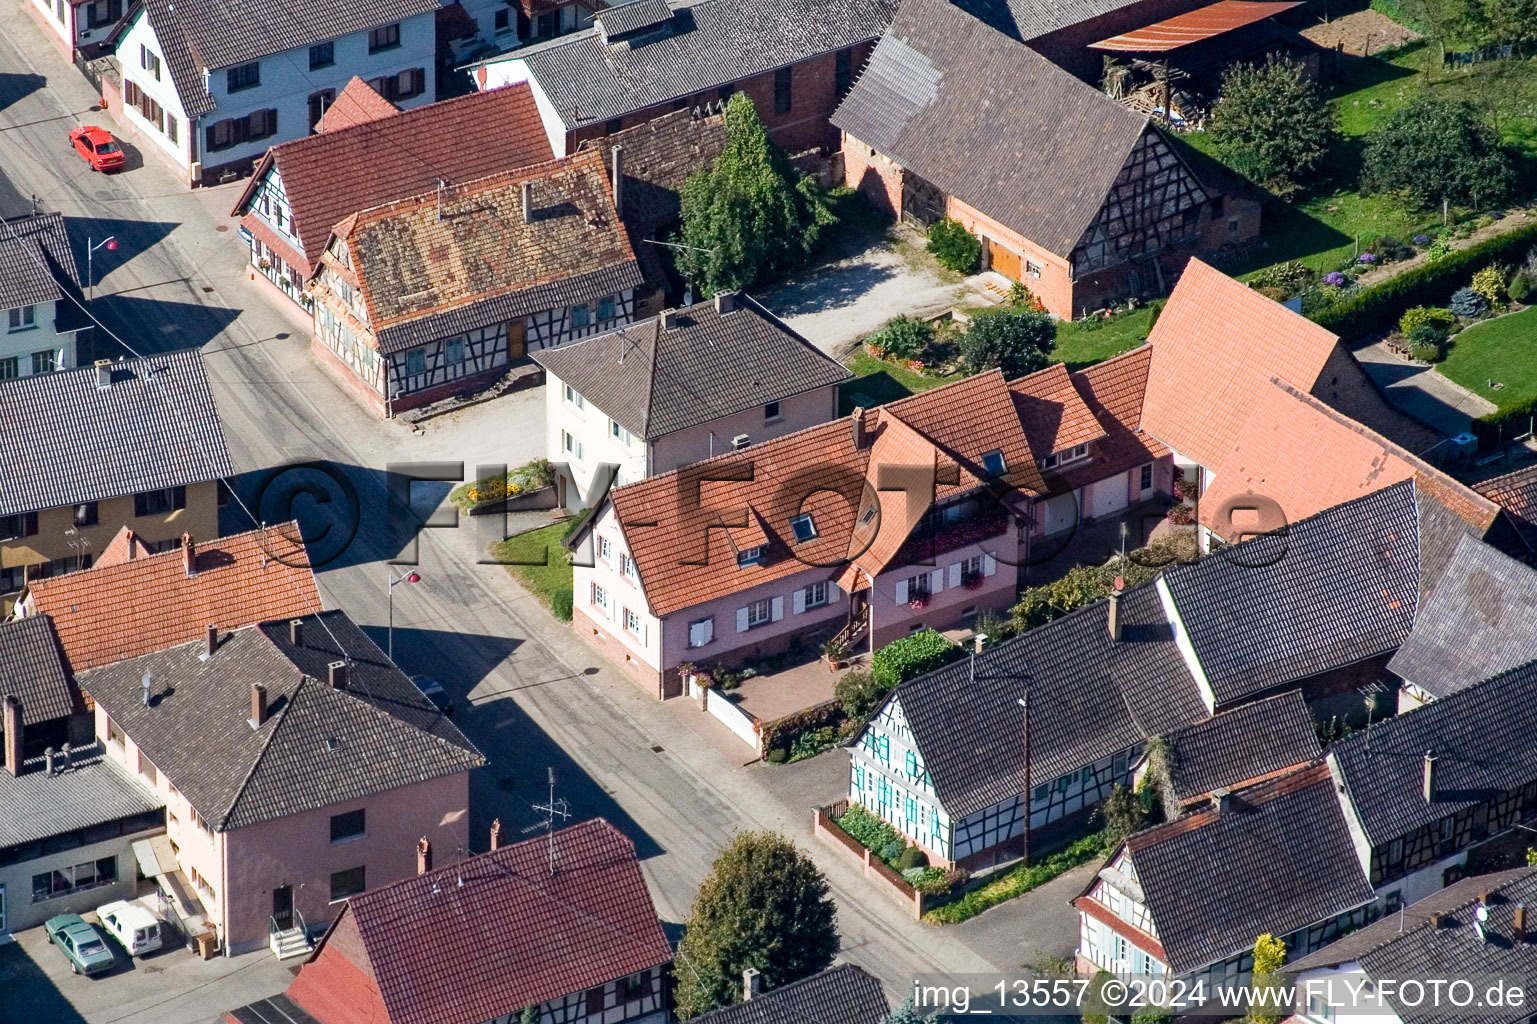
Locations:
{"points": [[1490, 283], [994, 625], [953, 246], [1271, 123], [902, 337], [859, 694], [912, 857], [1416, 316], [1291, 277], [1016, 341], [1157, 307], [1424, 352], [867, 830], [1421, 240], [1520, 287], [1390, 248], [1468, 303], [1425, 342], [776, 756], [560, 604], [1434, 151], [892, 850], [911, 656]]}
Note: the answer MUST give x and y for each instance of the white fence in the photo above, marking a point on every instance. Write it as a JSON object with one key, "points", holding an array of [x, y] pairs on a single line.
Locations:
{"points": [[743, 725]]}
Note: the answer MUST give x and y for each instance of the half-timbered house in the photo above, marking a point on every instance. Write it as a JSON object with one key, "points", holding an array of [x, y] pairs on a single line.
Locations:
{"points": [[443, 293], [1073, 195]]}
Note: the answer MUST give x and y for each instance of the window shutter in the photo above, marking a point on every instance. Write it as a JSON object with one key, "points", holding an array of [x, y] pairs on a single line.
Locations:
{"points": [[798, 600], [833, 591], [901, 591], [645, 634], [776, 609], [29, 526], [989, 565], [592, 592], [936, 581], [955, 574], [741, 620]]}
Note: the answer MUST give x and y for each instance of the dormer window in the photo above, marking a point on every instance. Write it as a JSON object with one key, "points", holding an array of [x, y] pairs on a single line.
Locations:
{"points": [[1074, 454], [804, 527], [993, 462], [869, 515], [749, 556], [771, 412]]}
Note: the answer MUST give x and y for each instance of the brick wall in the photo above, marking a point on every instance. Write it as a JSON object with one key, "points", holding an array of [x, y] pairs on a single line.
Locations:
{"points": [[1054, 287], [873, 174]]}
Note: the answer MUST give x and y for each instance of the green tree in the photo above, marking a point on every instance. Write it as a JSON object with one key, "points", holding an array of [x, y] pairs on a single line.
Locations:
{"points": [[1269, 958], [1272, 124], [1016, 341], [763, 905], [530, 1015], [750, 216], [907, 1013], [1434, 151], [1122, 812], [1502, 21]]}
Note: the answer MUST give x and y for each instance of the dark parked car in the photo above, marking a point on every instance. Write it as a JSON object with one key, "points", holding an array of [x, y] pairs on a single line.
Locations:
{"points": [[433, 691]]}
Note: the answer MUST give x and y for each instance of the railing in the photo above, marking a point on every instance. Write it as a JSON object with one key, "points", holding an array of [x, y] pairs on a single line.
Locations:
{"points": [[854, 628]]}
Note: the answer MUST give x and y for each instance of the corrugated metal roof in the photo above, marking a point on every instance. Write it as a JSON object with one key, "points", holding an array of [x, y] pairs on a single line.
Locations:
{"points": [[91, 791], [1195, 26]]}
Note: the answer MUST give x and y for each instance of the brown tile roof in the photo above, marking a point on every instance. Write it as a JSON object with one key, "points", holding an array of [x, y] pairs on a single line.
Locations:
{"points": [[491, 934], [970, 418], [124, 547], [355, 104], [347, 169], [1215, 347], [1113, 391], [1053, 413], [659, 155], [1516, 493], [432, 266], [130, 608]]}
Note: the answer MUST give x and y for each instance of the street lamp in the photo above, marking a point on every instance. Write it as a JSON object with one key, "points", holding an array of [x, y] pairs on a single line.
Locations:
{"points": [[406, 577], [110, 242]]}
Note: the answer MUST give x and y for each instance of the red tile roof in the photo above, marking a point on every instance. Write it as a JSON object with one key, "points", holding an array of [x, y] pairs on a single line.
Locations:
{"points": [[1052, 411], [328, 176], [122, 610], [1216, 346], [124, 547], [355, 104], [489, 935], [1113, 392]]}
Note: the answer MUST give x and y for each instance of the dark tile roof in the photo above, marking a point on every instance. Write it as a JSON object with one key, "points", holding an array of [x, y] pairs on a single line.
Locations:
{"points": [[705, 45], [32, 670], [319, 746], [34, 254], [709, 365], [1480, 620], [1279, 859], [278, 1009], [1516, 493], [1335, 589], [346, 169], [1026, 20], [1454, 949], [68, 442], [1482, 737], [511, 934], [1088, 698], [931, 96], [1243, 745], [659, 155], [840, 995], [91, 791], [434, 267]]}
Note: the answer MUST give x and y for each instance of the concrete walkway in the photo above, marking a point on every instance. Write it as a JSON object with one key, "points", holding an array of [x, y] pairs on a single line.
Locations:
{"points": [[1422, 392]]}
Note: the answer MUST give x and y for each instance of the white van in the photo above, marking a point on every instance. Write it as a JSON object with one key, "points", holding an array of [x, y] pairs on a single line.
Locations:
{"points": [[132, 925]]}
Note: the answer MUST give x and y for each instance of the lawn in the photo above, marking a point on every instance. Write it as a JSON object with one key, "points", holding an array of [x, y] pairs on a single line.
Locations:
{"points": [[1504, 350], [539, 562], [1079, 347]]}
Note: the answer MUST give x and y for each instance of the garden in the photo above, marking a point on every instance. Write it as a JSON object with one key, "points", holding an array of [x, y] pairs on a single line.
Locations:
{"points": [[541, 564], [522, 480]]}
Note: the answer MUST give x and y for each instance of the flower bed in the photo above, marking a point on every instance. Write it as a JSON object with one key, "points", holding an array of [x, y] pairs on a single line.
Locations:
{"points": [[1017, 882], [523, 479]]}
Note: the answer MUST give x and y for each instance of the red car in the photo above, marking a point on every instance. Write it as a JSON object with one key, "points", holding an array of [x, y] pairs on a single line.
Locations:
{"points": [[98, 147]]}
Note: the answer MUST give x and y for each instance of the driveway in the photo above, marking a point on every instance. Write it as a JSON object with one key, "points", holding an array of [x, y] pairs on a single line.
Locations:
{"points": [[1422, 393], [835, 304]]}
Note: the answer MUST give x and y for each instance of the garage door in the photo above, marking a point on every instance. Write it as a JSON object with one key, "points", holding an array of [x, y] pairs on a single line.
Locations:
{"points": [[1061, 512], [1110, 496], [1003, 260]]}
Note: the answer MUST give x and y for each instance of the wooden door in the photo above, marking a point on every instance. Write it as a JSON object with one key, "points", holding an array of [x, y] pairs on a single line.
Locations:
{"points": [[1005, 261], [515, 341]]}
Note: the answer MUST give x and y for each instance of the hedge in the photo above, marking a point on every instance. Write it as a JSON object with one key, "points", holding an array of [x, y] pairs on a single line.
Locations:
{"points": [[1425, 285], [911, 656], [1018, 881]]}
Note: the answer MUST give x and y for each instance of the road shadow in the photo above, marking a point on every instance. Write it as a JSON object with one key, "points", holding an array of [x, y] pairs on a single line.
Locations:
{"points": [[134, 237], [29, 993], [153, 326], [828, 287], [459, 661], [17, 86]]}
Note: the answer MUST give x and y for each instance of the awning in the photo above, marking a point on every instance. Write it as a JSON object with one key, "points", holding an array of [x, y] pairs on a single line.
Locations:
{"points": [[1203, 23], [155, 856]]}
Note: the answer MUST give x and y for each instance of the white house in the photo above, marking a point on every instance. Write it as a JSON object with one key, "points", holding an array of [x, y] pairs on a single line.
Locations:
{"points": [[678, 388], [502, 25], [39, 320], [78, 27], [206, 92]]}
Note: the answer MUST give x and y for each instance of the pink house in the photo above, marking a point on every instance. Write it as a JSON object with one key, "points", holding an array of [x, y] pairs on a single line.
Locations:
{"points": [[267, 745], [866, 528]]}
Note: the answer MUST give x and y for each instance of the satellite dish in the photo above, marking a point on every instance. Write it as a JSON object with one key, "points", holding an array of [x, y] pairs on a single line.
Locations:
{"points": [[1481, 912], [1478, 929]]}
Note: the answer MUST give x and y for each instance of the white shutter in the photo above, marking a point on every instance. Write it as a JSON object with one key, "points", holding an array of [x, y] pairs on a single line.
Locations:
{"points": [[776, 609], [936, 581], [741, 620], [901, 591], [955, 574], [709, 629], [833, 591], [798, 600], [989, 565]]}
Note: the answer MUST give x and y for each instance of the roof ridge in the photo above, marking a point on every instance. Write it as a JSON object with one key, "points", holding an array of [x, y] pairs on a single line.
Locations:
{"points": [[1269, 791], [653, 358], [486, 182]]}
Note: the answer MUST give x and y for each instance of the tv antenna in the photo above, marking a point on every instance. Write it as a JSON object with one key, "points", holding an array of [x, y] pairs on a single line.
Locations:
{"points": [[551, 810]]}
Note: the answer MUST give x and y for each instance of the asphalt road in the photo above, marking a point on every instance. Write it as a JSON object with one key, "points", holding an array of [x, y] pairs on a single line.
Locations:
{"points": [[532, 696]]}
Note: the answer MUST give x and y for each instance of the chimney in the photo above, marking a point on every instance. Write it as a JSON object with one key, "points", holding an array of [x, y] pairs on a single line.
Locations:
{"points": [[336, 674], [146, 681], [1222, 801], [858, 417], [1428, 781], [258, 705], [528, 202], [669, 319], [752, 983], [423, 856], [619, 181], [210, 640], [13, 735], [1115, 609], [1518, 923], [103, 374], [1435, 919], [496, 834], [50, 767], [189, 554], [978, 642], [725, 302], [296, 632]]}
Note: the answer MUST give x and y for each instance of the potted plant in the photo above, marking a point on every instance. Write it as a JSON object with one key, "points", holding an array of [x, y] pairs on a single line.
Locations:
{"points": [[919, 603], [973, 581], [836, 652]]}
